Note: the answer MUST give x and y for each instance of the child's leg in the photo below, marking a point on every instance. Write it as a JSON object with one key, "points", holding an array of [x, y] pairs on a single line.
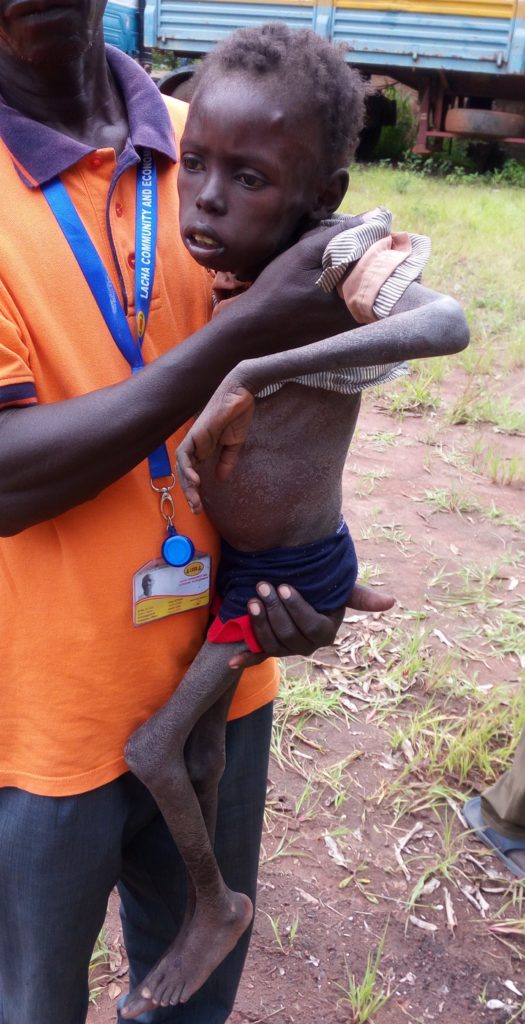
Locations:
{"points": [[204, 755], [156, 754]]}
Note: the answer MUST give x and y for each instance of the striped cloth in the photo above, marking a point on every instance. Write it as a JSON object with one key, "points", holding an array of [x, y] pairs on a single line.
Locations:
{"points": [[371, 267]]}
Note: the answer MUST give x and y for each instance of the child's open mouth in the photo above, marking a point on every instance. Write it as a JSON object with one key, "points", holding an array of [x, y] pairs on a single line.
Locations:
{"points": [[203, 243]]}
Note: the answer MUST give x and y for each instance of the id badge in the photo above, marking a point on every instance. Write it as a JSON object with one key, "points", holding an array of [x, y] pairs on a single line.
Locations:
{"points": [[160, 589]]}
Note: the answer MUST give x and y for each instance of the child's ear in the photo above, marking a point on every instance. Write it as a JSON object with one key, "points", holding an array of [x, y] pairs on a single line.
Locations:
{"points": [[331, 194]]}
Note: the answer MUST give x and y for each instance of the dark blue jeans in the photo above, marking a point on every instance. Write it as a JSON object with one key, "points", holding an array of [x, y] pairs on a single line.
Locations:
{"points": [[61, 857]]}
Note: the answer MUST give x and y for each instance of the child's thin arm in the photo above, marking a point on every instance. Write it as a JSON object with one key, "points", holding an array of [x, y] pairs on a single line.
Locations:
{"points": [[423, 323]]}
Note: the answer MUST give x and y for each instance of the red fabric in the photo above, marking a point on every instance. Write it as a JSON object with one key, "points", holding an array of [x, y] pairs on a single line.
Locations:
{"points": [[234, 629]]}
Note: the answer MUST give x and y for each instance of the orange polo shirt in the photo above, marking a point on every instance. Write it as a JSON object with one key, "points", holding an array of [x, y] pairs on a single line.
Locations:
{"points": [[77, 676]]}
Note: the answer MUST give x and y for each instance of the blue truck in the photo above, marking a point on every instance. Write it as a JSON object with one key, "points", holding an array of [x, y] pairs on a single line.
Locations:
{"points": [[124, 26], [465, 58]]}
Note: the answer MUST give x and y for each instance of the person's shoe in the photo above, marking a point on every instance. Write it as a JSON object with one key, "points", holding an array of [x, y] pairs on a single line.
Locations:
{"points": [[501, 845]]}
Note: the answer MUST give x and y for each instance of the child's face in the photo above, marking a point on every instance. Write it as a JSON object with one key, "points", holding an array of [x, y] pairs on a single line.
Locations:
{"points": [[249, 176]]}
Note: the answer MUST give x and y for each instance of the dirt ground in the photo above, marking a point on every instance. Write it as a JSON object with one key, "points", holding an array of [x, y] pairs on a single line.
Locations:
{"points": [[350, 784]]}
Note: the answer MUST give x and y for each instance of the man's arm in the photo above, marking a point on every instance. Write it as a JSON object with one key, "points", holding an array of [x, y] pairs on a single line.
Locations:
{"points": [[56, 456]]}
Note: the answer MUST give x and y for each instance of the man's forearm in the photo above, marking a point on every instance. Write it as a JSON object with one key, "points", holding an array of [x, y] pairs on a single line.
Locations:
{"points": [[434, 327], [56, 456]]}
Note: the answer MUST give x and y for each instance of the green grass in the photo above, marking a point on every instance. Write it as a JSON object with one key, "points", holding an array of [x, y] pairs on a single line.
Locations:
{"points": [[477, 408], [497, 515], [470, 588], [285, 940], [364, 997], [474, 745], [99, 960], [441, 862], [386, 531], [404, 661], [444, 499], [460, 219], [509, 471], [368, 571], [337, 778], [412, 394], [514, 353], [434, 370], [303, 695], [503, 633], [380, 439], [477, 360], [366, 479]]}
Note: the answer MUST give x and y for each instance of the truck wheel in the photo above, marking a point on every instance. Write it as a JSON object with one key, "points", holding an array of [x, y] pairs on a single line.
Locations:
{"points": [[485, 124], [178, 83]]}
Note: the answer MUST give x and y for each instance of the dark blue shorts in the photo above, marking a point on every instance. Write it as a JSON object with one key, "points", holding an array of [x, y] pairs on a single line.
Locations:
{"points": [[323, 572]]}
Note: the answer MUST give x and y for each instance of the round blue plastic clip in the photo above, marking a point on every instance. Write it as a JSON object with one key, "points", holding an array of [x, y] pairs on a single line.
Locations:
{"points": [[177, 549]]}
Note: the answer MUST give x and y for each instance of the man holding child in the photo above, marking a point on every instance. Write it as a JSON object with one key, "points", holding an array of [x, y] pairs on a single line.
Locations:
{"points": [[87, 419]]}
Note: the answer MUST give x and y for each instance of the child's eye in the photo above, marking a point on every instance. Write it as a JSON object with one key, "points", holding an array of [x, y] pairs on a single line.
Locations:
{"points": [[251, 181], [192, 163]]}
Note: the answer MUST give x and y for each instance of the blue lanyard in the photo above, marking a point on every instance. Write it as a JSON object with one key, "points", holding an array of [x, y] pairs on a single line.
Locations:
{"points": [[100, 282]]}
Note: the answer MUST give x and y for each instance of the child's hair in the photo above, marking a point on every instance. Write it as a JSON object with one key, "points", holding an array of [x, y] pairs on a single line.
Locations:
{"points": [[310, 71]]}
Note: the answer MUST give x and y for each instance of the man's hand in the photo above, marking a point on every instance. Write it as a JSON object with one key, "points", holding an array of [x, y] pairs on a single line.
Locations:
{"points": [[285, 624], [290, 306], [223, 424], [365, 599]]}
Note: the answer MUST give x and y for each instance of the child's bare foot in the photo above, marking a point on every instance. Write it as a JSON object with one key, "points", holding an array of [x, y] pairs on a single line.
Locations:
{"points": [[185, 967]]}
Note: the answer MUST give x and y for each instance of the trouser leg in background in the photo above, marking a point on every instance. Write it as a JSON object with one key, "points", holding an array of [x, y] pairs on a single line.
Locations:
{"points": [[152, 887], [503, 804], [60, 858]]}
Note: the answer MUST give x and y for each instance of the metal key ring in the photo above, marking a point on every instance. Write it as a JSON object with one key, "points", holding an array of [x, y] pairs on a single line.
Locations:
{"points": [[167, 487]]}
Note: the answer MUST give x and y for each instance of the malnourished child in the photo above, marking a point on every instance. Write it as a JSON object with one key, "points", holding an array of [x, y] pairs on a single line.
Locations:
{"points": [[273, 122]]}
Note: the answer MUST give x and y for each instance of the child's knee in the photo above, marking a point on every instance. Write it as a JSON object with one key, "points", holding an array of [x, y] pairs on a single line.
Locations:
{"points": [[149, 762]]}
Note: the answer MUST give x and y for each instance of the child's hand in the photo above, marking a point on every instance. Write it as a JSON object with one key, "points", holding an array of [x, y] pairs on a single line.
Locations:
{"points": [[223, 424]]}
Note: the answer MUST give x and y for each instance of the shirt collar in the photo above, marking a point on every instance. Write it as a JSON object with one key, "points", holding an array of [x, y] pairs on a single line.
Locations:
{"points": [[40, 153]]}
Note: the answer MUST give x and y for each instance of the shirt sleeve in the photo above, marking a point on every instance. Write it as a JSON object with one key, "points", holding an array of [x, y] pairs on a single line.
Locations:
{"points": [[17, 386], [372, 267]]}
